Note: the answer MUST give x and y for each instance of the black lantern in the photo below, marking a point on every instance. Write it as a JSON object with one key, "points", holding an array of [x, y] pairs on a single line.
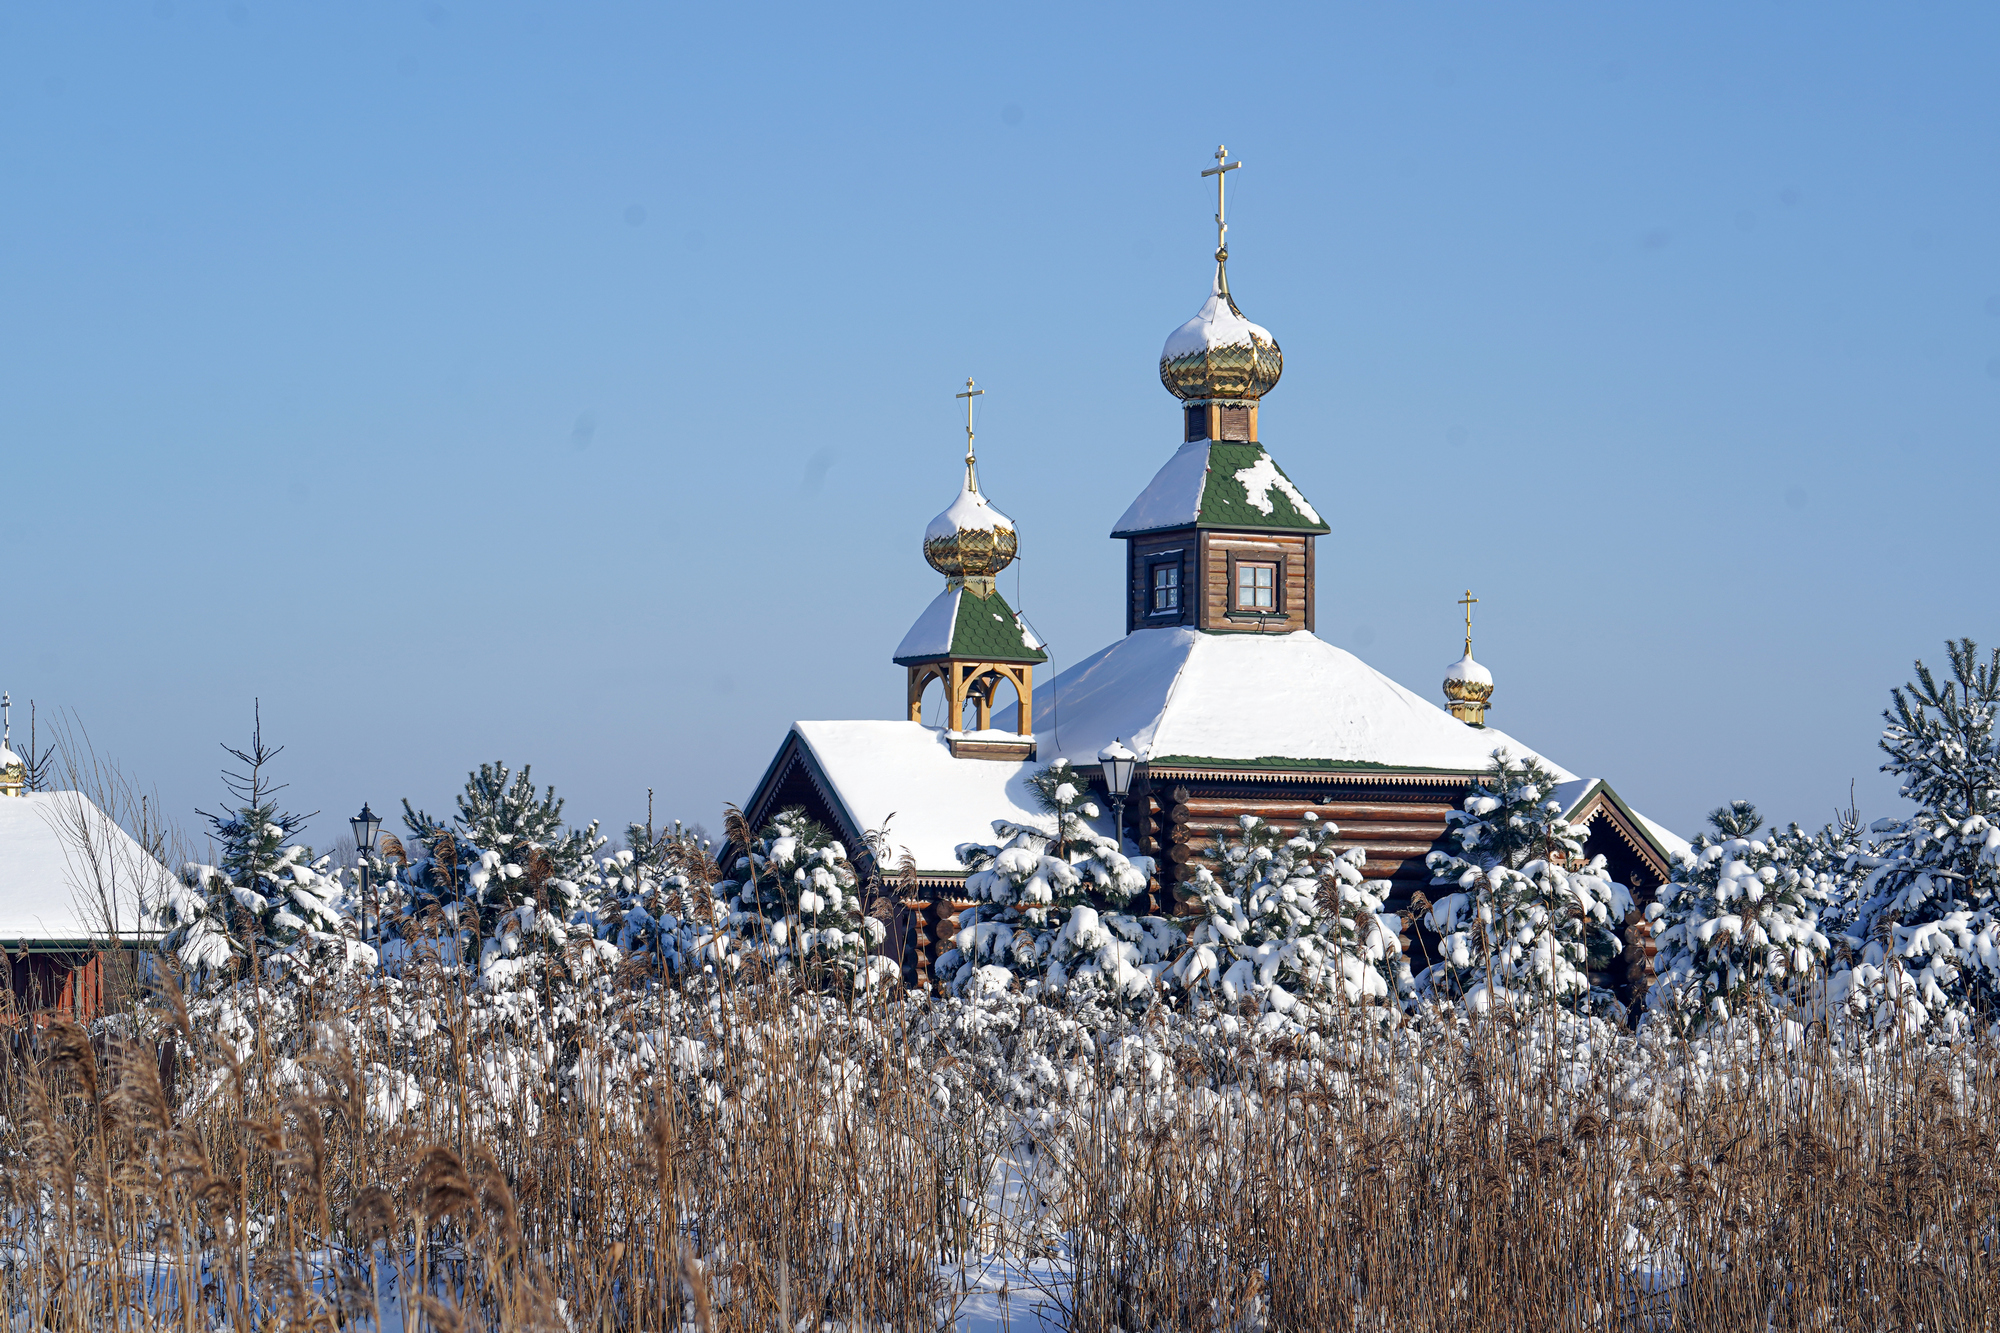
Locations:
{"points": [[365, 826], [1119, 764]]}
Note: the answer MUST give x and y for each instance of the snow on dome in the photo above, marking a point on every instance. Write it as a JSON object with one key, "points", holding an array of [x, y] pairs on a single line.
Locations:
{"points": [[1220, 354], [970, 512], [1467, 669], [970, 537], [9, 759]]}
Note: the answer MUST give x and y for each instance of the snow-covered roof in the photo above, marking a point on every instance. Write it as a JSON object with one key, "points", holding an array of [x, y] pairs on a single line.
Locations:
{"points": [[970, 512], [1467, 669], [903, 774], [1576, 792], [1284, 702], [963, 622], [70, 875], [1219, 484], [1266, 700]]}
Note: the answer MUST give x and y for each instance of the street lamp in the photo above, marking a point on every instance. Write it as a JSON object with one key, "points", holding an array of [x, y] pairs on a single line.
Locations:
{"points": [[365, 825], [1119, 763]]}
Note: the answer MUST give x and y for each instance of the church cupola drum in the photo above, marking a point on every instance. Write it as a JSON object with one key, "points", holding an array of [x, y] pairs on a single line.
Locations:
{"points": [[968, 639]]}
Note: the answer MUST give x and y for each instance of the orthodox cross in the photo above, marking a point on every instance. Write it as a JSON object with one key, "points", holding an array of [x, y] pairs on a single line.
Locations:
{"points": [[1221, 171], [1468, 602], [971, 478], [6, 720]]}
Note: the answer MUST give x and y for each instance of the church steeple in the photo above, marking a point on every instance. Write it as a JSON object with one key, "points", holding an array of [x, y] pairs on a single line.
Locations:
{"points": [[968, 639], [1221, 540]]}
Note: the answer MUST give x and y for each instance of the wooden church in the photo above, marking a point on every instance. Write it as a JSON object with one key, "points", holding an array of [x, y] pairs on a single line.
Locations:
{"points": [[1219, 684]]}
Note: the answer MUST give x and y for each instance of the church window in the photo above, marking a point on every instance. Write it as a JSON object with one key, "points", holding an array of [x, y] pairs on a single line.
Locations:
{"points": [[1235, 422], [1166, 588], [1256, 586]]}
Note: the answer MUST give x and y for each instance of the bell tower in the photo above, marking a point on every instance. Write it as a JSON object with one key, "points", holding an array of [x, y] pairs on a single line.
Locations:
{"points": [[968, 639], [1221, 540]]}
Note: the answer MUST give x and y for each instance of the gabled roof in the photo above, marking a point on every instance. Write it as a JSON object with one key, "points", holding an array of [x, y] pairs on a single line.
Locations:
{"points": [[1585, 798], [1216, 484], [901, 776], [964, 623], [70, 876]]}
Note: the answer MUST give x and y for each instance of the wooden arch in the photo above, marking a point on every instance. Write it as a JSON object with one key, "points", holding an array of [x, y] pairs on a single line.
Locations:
{"points": [[975, 683]]}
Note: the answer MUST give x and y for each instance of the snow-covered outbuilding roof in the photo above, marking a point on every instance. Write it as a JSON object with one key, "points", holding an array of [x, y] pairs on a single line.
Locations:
{"points": [[71, 877], [1219, 484]]}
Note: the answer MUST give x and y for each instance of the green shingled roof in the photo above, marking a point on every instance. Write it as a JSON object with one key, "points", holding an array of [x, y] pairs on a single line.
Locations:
{"points": [[1213, 484], [982, 627]]}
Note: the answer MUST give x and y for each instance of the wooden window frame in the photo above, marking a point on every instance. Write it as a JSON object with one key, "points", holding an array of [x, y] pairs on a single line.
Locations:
{"points": [[1177, 559], [1278, 610]]}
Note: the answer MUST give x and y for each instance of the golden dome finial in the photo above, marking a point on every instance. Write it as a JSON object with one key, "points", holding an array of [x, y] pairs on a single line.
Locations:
{"points": [[1468, 685], [970, 540], [1219, 355]]}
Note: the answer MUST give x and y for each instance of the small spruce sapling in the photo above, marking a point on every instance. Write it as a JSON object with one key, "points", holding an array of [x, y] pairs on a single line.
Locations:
{"points": [[268, 903], [1738, 920], [1528, 914], [1290, 923]]}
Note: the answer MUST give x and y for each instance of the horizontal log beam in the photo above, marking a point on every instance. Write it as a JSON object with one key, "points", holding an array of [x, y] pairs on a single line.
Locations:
{"points": [[1211, 807]]}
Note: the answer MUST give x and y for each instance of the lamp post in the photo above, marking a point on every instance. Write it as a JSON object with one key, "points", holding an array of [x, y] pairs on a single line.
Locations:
{"points": [[1119, 764], [365, 825]]}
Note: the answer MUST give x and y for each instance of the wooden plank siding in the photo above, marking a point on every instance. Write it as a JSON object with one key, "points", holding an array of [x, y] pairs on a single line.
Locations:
{"points": [[1290, 551], [1207, 586]]}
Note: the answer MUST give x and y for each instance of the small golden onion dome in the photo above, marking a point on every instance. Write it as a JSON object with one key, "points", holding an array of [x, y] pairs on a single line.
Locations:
{"points": [[1468, 688], [971, 538], [1220, 354]]}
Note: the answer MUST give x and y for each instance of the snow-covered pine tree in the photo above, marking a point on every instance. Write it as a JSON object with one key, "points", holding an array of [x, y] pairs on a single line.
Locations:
{"points": [[1050, 905], [658, 893], [267, 900], [1923, 928], [1528, 915], [794, 901], [1291, 923], [532, 884], [1738, 921]]}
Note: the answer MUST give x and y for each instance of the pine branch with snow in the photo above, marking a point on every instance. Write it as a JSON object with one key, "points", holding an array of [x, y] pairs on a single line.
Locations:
{"points": [[1925, 924], [794, 902], [1284, 921]]}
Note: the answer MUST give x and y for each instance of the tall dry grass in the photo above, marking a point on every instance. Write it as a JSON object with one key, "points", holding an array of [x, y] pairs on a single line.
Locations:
{"points": [[790, 1159]]}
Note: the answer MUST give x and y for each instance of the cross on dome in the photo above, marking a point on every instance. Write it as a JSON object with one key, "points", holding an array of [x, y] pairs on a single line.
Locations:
{"points": [[971, 477], [1219, 356], [1221, 171], [1468, 685]]}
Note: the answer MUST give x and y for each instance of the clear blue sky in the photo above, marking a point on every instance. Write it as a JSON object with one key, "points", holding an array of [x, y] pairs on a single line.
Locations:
{"points": [[572, 383]]}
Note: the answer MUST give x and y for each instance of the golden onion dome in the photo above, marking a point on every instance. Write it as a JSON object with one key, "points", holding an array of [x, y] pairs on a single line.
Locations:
{"points": [[971, 538], [1220, 354]]}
